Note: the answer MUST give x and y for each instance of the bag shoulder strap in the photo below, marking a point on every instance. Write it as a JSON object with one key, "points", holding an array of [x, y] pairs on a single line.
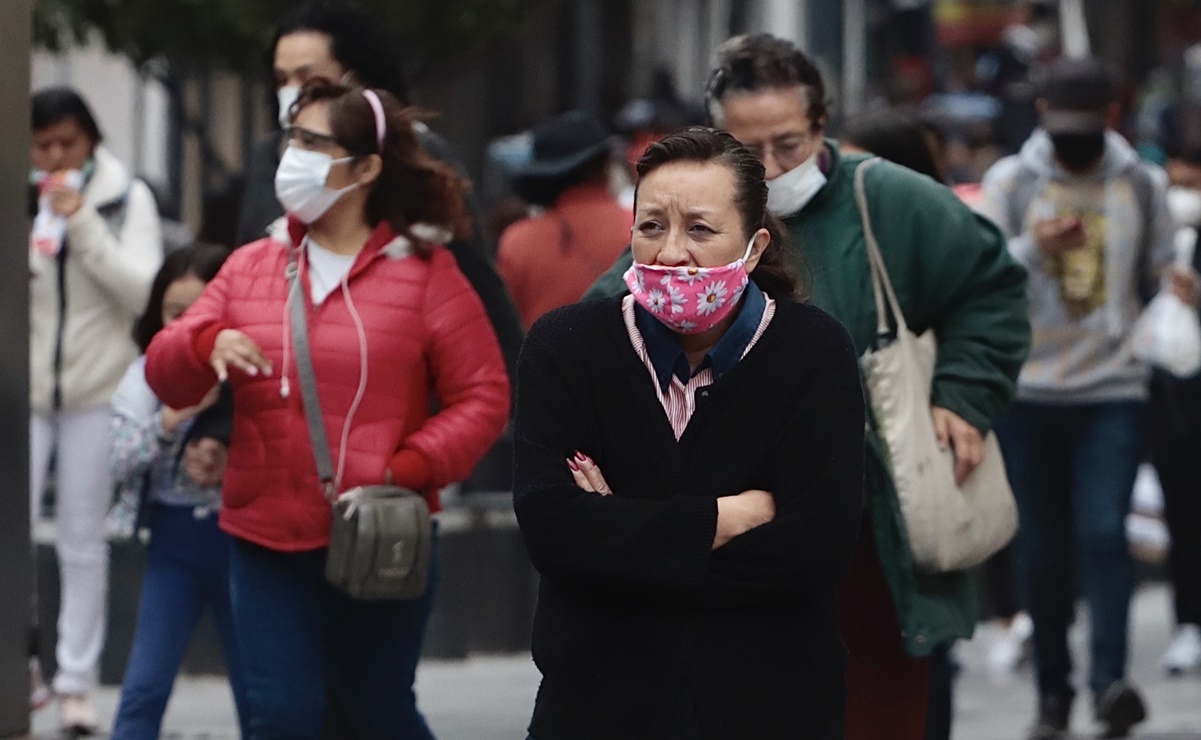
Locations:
{"points": [[308, 379], [881, 283]]}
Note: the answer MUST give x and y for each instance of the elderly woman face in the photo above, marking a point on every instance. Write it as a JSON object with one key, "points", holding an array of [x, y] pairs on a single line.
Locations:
{"points": [[685, 215]]}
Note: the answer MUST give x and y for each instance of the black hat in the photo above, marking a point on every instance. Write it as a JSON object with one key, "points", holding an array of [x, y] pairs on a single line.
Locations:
{"points": [[563, 144], [1077, 93]]}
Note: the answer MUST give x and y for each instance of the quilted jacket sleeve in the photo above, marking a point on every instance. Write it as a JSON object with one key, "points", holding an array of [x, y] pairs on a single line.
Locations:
{"points": [[469, 377], [176, 372]]}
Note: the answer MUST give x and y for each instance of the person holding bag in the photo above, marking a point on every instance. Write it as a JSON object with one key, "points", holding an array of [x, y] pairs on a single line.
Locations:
{"points": [[389, 325]]}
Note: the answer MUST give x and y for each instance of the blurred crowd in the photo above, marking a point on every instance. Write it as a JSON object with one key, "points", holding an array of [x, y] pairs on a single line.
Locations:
{"points": [[1030, 216]]}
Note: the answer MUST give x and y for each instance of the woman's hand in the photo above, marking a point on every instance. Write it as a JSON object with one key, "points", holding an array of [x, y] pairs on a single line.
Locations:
{"points": [[235, 349], [742, 513], [204, 461], [964, 440], [172, 418], [64, 200], [587, 475]]}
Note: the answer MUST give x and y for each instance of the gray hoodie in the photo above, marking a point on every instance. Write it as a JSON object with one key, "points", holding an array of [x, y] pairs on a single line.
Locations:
{"points": [[1083, 304]]}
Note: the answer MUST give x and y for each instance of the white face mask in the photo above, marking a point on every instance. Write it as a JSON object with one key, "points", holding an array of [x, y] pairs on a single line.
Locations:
{"points": [[300, 183], [789, 192], [1185, 206], [287, 96]]}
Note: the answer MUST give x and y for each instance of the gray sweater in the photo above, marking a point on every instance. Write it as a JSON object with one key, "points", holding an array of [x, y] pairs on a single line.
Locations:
{"points": [[1083, 304]]}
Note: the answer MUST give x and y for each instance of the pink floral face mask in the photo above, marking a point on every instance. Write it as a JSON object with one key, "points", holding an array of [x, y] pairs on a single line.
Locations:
{"points": [[689, 300]]}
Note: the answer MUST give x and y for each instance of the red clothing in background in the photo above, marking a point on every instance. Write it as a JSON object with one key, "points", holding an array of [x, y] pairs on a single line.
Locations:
{"points": [[549, 260], [427, 335], [887, 690]]}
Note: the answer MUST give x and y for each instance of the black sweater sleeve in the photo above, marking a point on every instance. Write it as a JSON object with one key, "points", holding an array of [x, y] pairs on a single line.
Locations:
{"points": [[816, 479], [659, 547]]}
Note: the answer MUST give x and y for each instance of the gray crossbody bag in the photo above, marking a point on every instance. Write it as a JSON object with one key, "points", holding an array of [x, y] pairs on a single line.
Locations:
{"points": [[381, 538]]}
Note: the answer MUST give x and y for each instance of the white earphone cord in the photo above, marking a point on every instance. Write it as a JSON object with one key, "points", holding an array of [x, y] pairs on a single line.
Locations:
{"points": [[362, 390]]}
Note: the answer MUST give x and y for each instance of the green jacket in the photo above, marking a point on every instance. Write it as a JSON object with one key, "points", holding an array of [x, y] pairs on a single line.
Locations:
{"points": [[952, 271]]}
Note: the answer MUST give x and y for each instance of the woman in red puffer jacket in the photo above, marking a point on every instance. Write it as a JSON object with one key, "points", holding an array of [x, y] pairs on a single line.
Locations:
{"points": [[393, 326]]}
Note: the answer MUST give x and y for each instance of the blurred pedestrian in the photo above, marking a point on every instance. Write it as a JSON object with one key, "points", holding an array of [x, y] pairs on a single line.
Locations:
{"points": [[895, 136], [689, 468], [395, 331], [169, 464], [1089, 221], [899, 138], [1176, 445], [551, 257], [341, 41], [952, 273], [93, 252]]}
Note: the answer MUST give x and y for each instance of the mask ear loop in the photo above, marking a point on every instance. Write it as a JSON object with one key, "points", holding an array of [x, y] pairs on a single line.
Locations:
{"points": [[750, 247]]}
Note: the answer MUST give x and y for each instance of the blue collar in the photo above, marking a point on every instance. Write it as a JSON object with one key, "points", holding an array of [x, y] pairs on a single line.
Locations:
{"points": [[668, 358]]}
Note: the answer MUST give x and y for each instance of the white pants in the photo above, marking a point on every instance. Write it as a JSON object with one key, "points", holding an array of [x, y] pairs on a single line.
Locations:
{"points": [[85, 492]]}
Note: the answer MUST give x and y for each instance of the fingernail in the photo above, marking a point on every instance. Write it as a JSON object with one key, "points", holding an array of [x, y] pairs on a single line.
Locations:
{"points": [[571, 464], [267, 372], [252, 371], [581, 456]]}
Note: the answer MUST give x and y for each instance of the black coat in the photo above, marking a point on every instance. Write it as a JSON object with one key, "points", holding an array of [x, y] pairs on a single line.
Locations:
{"points": [[642, 631]]}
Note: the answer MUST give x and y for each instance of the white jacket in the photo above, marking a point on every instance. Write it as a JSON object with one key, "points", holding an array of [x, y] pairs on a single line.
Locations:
{"points": [[105, 279]]}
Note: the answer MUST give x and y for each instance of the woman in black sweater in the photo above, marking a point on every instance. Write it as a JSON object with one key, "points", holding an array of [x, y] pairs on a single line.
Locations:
{"points": [[688, 477]]}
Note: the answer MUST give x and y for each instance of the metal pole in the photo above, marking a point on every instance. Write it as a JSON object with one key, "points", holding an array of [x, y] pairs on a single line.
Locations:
{"points": [[1074, 28], [16, 577], [588, 55], [854, 56]]}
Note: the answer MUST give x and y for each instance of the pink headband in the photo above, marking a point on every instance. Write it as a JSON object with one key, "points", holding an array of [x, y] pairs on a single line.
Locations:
{"points": [[381, 126]]}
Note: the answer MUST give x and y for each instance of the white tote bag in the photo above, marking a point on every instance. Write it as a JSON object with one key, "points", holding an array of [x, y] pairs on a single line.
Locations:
{"points": [[949, 527]]}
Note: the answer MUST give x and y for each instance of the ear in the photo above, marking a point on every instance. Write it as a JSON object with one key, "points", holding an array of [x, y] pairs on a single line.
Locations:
{"points": [[367, 170], [762, 240]]}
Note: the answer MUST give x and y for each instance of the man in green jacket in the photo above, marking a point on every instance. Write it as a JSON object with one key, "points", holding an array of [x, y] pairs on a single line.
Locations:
{"points": [[952, 272]]}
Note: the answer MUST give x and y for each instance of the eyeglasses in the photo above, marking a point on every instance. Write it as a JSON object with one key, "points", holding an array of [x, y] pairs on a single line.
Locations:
{"points": [[302, 138], [786, 150]]}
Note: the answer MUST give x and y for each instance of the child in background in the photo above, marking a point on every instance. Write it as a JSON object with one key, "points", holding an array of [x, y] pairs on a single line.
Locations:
{"points": [[169, 463]]}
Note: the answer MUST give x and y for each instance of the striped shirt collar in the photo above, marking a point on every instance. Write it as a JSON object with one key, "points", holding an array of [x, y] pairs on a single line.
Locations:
{"points": [[668, 358]]}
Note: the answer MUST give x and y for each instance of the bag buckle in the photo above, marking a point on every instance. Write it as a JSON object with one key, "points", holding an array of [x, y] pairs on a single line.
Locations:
{"points": [[330, 491]]}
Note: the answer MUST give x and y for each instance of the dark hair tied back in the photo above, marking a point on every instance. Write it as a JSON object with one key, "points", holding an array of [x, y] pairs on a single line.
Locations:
{"points": [[700, 144], [413, 187]]}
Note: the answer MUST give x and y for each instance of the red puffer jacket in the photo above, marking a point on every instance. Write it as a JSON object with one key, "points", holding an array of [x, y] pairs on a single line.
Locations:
{"points": [[427, 337]]}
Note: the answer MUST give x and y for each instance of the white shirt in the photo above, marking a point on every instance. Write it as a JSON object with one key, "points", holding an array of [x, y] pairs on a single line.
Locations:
{"points": [[326, 270]]}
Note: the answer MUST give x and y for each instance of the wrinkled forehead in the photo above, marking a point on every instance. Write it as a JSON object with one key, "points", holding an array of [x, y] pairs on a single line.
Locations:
{"points": [[686, 187], [796, 99], [757, 117]]}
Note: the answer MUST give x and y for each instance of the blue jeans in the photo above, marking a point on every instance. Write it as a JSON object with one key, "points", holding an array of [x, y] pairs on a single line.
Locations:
{"points": [[297, 633], [1072, 469], [187, 569]]}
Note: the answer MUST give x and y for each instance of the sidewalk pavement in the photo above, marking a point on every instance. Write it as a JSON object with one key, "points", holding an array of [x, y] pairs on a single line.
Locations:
{"points": [[489, 697]]}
